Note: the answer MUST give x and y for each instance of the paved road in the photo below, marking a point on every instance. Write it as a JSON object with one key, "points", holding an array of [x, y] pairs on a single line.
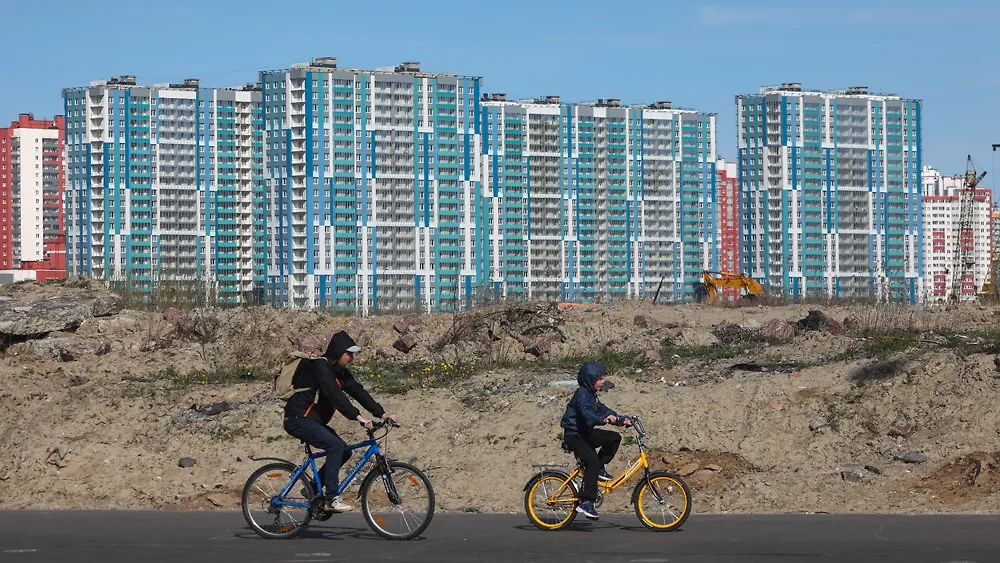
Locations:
{"points": [[195, 537]]}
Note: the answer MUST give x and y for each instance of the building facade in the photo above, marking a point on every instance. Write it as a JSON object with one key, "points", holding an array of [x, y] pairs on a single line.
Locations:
{"points": [[32, 227], [373, 187], [831, 191], [597, 201], [166, 186], [942, 239]]}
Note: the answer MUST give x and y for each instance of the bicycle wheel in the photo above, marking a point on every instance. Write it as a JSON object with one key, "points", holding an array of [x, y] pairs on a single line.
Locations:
{"points": [[669, 513], [277, 518], [549, 513], [391, 519]]}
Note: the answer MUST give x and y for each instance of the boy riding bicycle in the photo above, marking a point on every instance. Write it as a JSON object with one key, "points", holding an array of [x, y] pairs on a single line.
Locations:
{"points": [[307, 415], [583, 412]]}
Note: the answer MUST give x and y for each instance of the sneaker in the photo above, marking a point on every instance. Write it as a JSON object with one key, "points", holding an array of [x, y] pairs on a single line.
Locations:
{"points": [[605, 476], [587, 509], [336, 505]]}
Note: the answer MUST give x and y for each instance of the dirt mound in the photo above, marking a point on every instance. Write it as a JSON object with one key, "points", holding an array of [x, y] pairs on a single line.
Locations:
{"points": [[703, 469], [965, 479]]}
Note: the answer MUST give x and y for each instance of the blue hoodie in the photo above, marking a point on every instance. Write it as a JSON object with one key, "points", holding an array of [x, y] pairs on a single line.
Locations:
{"points": [[584, 410]]}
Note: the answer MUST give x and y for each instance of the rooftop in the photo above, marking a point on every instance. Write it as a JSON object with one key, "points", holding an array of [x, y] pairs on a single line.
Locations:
{"points": [[329, 64]]}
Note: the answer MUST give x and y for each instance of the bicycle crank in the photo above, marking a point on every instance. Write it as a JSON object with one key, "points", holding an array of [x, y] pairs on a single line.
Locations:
{"points": [[316, 508]]}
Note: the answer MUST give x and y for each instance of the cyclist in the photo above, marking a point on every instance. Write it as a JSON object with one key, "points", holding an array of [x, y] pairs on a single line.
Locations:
{"points": [[307, 415], [583, 412]]}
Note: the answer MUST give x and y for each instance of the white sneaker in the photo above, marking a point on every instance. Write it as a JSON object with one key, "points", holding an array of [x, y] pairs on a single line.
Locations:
{"points": [[337, 505]]}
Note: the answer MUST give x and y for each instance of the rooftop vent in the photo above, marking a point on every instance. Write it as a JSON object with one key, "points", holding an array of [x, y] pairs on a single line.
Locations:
{"points": [[325, 62]]}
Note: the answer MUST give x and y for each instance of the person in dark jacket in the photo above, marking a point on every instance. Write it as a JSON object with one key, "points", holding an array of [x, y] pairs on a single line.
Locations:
{"points": [[308, 413], [583, 412]]}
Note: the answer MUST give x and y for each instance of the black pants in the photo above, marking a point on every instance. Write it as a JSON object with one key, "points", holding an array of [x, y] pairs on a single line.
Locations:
{"points": [[585, 447], [324, 438]]}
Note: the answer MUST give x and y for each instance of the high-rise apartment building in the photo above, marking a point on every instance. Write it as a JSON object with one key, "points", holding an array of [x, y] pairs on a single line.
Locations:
{"points": [[31, 192], [831, 191], [943, 237], [596, 201], [373, 187], [166, 185]]}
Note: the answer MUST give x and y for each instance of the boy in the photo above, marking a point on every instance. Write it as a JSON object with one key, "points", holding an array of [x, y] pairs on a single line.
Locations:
{"points": [[307, 415], [583, 412]]}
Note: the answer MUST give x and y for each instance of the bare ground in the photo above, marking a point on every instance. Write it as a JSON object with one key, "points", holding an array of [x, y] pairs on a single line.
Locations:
{"points": [[885, 410]]}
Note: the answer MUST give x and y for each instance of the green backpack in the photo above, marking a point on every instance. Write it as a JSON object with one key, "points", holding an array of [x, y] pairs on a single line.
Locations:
{"points": [[283, 387]]}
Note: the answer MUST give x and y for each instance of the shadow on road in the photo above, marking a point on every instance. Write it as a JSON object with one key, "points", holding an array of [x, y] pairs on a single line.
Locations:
{"points": [[587, 527], [326, 533]]}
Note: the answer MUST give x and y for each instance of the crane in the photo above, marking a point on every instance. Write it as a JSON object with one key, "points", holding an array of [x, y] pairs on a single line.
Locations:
{"points": [[965, 237]]}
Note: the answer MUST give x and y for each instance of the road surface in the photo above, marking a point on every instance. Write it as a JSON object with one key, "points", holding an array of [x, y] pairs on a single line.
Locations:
{"points": [[195, 537]]}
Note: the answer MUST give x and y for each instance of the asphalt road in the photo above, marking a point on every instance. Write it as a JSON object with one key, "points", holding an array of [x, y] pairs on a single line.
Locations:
{"points": [[194, 537]]}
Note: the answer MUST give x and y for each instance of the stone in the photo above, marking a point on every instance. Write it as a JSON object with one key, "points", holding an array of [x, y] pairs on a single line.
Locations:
{"points": [[901, 430], [713, 467], [541, 345], [688, 469], [645, 321], [814, 426], [217, 408], [910, 457], [852, 476], [777, 331], [186, 462], [54, 314], [405, 342], [696, 337], [219, 499]]}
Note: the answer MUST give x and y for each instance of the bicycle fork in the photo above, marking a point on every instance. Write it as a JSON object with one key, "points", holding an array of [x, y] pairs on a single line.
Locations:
{"points": [[386, 470], [652, 487]]}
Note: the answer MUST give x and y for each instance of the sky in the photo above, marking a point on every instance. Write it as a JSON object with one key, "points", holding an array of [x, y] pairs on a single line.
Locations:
{"points": [[696, 54]]}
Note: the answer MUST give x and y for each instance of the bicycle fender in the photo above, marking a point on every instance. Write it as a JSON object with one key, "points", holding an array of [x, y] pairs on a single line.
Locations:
{"points": [[551, 472], [252, 458]]}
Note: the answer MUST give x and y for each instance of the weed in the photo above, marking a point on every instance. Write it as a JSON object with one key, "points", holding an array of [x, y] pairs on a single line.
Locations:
{"points": [[395, 378], [707, 353]]}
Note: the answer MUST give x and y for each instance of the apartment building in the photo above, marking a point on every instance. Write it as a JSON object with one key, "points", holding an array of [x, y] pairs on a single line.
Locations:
{"points": [[32, 244], [729, 223], [597, 201], [165, 185], [942, 237], [373, 187], [830, 184]]}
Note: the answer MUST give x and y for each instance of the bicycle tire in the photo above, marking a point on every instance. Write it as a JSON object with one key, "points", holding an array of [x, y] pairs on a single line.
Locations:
{"points": [[369, 482], [529, 489], [244, 503], [644, 483]]}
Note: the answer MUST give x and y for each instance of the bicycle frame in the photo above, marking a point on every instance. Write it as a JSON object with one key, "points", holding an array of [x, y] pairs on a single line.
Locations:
{"points": [[642, 462], [310, 463]]}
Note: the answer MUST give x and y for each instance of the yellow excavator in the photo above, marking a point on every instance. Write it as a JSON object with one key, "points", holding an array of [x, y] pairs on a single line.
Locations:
{"points": [[715, 280]]}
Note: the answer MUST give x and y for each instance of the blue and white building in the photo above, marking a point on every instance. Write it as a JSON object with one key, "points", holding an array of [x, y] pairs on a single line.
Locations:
{"points": [[597, 201], [165, 183], [373, 187], [831, 191]]}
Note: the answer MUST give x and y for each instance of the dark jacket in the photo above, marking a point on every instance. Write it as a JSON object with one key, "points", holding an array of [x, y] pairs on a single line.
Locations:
{"points": [[335, 384], [584, 410]]}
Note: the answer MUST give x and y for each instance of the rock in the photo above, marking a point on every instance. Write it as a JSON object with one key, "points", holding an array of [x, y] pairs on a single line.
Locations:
{"points": [[873, 469], [814, 426], [383, 353], [777, 331], [696, 337], [66, 355], [751, 324], [309, 344], [217, 408], [901, 430], [77, 380], [405, 342], [219, 499], [102, 348], [852, 476], [541, 345], [688, 469], [545, 399], [186, 462], [406, 324], [54, 314], [815, 320], [910, 457], [645, 321], [713, 467], [565, 384]]}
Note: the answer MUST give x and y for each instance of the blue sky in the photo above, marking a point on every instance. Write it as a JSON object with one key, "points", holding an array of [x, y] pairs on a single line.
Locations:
{"points": [[696, 54]]}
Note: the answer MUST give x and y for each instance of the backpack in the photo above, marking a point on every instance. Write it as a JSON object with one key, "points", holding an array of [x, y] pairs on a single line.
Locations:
{"points": [[283, 387]]}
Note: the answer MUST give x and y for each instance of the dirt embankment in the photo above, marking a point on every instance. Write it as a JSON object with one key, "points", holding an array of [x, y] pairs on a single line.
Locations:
{"points": [[762, 409]]}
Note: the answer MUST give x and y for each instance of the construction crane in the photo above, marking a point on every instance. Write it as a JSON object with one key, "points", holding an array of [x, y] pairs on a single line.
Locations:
{"points": [[965, 259], [729, 279]]}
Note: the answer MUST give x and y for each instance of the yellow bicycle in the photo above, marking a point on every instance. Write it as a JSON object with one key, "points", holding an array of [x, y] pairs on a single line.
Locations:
{"points": [[662, 500]]}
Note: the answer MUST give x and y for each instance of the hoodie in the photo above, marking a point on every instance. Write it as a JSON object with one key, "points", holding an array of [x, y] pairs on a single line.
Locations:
{"points": [[584, 410], [334, 383]]}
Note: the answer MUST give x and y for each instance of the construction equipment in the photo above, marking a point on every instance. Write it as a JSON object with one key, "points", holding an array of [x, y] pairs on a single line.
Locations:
{"points": [[712, 284], [965, 259]]}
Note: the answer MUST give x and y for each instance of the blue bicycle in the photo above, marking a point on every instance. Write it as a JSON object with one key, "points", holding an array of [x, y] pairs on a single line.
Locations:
{"points": [[287, 496]]}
